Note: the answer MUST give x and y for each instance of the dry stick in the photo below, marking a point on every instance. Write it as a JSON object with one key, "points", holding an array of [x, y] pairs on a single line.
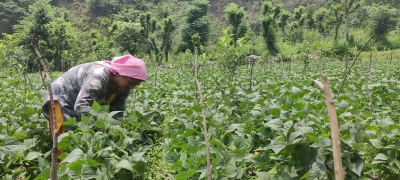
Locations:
{"points": [[290, 64], [366, 84], [337, 154], [54, 153], [283, 66], [203, 112], [391, 57], [348, 71]]}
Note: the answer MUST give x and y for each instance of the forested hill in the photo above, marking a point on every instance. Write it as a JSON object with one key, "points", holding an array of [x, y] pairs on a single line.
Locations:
{"points": [[75, 31], [11, 11]]}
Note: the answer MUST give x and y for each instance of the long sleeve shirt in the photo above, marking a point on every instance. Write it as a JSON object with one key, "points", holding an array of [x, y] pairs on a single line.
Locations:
{"points": [[79, 87]]}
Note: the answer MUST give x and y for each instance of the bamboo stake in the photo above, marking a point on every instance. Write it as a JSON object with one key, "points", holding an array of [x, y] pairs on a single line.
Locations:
{"points": [[337, 154], [203, 112], [283, 65], [54, 153], [348, 71], [366, 84]]}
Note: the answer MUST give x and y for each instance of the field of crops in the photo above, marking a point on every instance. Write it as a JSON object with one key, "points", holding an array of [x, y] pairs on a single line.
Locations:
{"points": [[278, 129]]}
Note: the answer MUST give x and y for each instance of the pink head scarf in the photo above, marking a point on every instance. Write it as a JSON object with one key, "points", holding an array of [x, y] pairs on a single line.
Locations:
{"points": [[128, 66]]}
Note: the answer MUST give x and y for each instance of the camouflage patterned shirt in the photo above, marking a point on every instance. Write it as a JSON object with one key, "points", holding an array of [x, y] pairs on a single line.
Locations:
{"points": [[79, 87]]}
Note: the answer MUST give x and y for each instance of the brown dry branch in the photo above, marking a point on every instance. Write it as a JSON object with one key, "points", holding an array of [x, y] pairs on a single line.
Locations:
{"points": [[337, 154], [348, 70], [54, 153], [366, 85], [203, 112], [283, 65]]}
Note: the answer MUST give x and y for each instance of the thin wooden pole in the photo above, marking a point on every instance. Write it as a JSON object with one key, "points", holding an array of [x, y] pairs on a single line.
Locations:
{"points": [[54, 153], [203, 112], [337, 154], [348, 71]]}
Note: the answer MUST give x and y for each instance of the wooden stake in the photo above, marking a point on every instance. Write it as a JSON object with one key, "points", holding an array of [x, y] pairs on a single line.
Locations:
{"points": [[366, 85], [54, 153], [203, 112], [348, 71], [337, 154]]}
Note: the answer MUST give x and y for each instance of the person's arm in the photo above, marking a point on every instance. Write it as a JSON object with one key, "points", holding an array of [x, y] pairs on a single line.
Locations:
{"points": [[119, 104], [90, 90]]}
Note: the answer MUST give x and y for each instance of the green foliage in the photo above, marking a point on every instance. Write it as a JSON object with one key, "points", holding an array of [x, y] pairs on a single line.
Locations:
{"points": [[166, 36], [279, 129], [235, 16], [268, 24], [197, 22], [102, 46], [382, 22], [53, 32], [128, 36], [320, 16], [10, 13], [231, 55]]}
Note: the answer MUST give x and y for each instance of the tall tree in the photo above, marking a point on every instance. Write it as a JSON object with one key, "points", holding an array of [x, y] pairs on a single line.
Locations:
{"points": [[320, 16], [149, 26], [336, 19], [382, 17], [268, 29], [235, 16], [197, 22], [166, 36], [49, 26], [349, 7], [128, 36]]}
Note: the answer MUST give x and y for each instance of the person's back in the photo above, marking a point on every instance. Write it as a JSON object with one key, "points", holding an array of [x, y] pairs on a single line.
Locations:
{"points": [[79, 87]]}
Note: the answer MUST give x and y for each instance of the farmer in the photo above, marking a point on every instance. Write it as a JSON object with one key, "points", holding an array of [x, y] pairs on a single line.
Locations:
{"points": [[108, 83]]}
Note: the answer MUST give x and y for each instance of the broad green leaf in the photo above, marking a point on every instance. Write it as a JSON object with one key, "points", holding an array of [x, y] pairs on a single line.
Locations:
{"points": [[256, 114], [293, 136], [274, 124], [177, 165], [240, 143], [74, 155], [192, 142], [125, 165], [318, 169], [312, 137], [343, 104], [358, 146], [183, 175], [321, 155], [77, 166], [44, 175], [296, 90], [276, 112], [233, 127], [261, 175], [357, 166], [32, 155], [276, 147], [377, 143], [92, 163], [381, 157], [171, 157], [96, 106], [140, 166]]}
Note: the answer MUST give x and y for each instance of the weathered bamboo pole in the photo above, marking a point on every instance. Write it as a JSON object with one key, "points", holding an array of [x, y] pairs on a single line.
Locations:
{"points": [[54, 153], [203, 112], [337, 154]]}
